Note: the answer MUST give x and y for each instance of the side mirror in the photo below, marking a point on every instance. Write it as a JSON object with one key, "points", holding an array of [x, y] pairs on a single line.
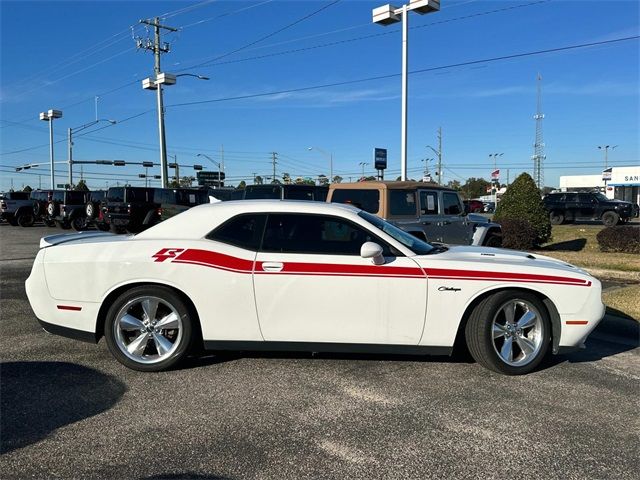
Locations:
{"points": [[373, 251]]}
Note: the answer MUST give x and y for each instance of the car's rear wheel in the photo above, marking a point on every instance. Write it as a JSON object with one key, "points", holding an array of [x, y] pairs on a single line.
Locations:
{"points": [[26, 219], [149, 328], [556, 218], [103, 227], [508, 332], [609, 219]]}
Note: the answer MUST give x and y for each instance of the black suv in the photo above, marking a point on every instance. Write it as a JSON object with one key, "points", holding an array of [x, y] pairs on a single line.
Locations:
{"points": [[568, 207], [286, 192], [134, 209], [66, 209]]}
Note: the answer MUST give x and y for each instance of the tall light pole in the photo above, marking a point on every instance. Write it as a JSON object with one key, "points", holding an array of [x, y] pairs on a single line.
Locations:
{"points": [[49, 116], [70, 133], [606, 153], [387, 15], [363, 164], [215, 163], [330, 156], [156, 84]]}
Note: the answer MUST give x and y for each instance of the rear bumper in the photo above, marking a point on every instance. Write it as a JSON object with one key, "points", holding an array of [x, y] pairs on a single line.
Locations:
{"points": [[83, 336]]}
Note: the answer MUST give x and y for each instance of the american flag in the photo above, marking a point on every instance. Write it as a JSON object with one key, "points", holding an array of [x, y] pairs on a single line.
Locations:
{"points": [[495, 175]]}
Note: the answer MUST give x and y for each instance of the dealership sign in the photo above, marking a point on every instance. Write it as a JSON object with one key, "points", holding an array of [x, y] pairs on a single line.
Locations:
{"points": [[606, 174], [380, 158]]}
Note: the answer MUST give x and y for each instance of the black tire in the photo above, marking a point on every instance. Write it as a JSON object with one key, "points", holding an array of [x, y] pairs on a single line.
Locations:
{"points": [[52, 209], [37, 209], [144, 360], [494, 241], [90, 210], [49, 223], [12, 221], [63, 224], [556, 218], [115, 229], [26, 219], [483, 345], [103, 227], [79, 223], [609, 219]]}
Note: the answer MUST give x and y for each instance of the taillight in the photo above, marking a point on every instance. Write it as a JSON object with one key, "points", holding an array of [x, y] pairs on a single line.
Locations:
{"points": [[159, 211], [3, 204], [128, 209]]}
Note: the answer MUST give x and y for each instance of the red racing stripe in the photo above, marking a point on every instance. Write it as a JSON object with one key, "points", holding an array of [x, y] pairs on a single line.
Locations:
{"points": [[502, 276], [341, 269], [213, 259]]}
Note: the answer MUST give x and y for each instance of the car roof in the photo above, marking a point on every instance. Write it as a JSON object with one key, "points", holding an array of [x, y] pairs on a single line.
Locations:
{"points": [[390, 185], [201, 219]]}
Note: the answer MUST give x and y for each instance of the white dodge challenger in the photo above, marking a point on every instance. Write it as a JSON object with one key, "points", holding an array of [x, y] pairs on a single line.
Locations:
{"points": [[305, 276]]}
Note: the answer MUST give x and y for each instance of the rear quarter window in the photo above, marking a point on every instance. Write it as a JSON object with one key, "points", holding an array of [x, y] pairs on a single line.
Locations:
{"points": [[367, 200], [243, 231]]}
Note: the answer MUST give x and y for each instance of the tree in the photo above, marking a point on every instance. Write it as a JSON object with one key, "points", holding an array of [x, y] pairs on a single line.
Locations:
{"points": [[475, 187], [27, 189], [242, 185], [337, 179], [186, 181], [454, 184], [323, 180], [522, 201], [257, 180], [286, 178], [81, 186]]}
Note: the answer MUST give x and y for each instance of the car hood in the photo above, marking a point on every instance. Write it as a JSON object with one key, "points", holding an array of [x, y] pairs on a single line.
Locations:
{"points": [[482, 258]]}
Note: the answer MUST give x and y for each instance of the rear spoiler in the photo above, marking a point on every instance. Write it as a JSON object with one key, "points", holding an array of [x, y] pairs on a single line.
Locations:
{"points": [[52, 240]]}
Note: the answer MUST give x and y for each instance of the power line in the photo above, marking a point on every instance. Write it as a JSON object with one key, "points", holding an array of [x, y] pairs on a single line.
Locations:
{"points": [[423, 70], [264, 37]]}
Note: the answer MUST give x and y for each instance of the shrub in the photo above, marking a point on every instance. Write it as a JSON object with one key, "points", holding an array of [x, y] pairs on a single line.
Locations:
{"points": [[518, 234], [523, 201], [624, 239]]}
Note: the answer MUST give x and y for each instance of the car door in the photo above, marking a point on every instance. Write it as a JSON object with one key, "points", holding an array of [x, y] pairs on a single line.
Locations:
{"points": [[587, 206], [429, 210], [312, 285], [454, 225]]}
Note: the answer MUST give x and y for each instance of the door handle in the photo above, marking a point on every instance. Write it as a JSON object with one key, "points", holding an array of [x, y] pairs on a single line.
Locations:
{"points": [[272, 266]]}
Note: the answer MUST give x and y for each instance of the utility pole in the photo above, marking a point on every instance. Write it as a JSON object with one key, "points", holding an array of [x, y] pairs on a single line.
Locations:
{"points": [[222, 156], [538, 146], [254, 177], [158, 49], [438, 152], [274, 157]]}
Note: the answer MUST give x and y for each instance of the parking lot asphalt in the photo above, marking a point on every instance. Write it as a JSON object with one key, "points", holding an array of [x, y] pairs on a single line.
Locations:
{"points": [[69, 410]]}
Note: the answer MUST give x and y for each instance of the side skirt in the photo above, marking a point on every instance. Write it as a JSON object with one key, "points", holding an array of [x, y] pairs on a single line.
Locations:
{"points": [[325, 347]]}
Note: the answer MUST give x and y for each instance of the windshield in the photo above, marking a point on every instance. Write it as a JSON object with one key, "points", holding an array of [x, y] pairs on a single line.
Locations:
{"points": [[419, 247], [601, 197]]}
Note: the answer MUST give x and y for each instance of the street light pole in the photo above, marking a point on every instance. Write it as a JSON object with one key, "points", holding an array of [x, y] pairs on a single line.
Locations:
{"points": [[330, 156], [387, 15], [218, 164], [49, 116], [362, 164], [70, 133], [606, 154]]}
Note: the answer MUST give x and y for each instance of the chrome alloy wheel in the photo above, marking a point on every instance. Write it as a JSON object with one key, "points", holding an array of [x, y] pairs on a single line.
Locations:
{"points": [[517, 332], [148, 329]]}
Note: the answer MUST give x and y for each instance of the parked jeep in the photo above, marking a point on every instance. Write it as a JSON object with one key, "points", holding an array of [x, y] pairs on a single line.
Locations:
{"points": [[286, 192], [16, 208], [67, 209], [426, 210], [134, 209], [568, 207], [40, 199]]}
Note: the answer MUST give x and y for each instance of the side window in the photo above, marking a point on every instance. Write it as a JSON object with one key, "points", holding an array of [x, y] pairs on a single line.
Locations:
{"points": [[58, 197], [314, 234], [451, 204], [428, 203], [367, 200], [585, 198], [243, 231], [571, 197], [402, 202], [115, 195]]}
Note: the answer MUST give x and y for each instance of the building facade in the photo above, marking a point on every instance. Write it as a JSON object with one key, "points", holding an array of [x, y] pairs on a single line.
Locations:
{"points": [[623, 183]]}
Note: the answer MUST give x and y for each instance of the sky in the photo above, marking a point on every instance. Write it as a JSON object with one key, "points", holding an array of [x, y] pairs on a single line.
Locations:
{"points": [[286, 76]]}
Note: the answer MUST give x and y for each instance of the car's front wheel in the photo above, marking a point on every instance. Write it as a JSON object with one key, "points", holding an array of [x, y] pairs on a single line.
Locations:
{"points": [[508, 332], [79, 223], [149, 328], [609, 219]]}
